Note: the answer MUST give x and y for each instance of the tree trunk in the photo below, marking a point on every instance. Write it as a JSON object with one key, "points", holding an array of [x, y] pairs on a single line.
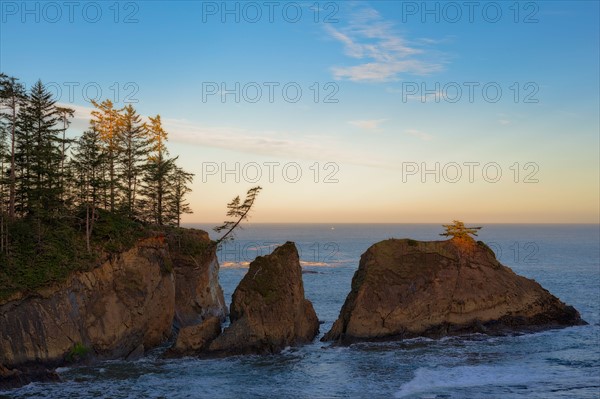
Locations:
{"points": [[12, 189]]}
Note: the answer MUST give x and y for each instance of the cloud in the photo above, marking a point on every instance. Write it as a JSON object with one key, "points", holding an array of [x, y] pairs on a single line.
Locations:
{"points": [[384, 55], [368, 124], [281, 144], [419, 134]]}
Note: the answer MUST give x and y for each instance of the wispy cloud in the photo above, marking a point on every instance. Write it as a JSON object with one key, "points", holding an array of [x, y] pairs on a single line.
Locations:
{"points": [[383, 53], [368, 124], [280, 144], [419, 134]]}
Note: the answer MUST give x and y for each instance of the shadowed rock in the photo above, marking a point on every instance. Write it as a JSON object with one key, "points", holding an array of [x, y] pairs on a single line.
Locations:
{"points": [[198, 294], [16, 378], [119, 309], [109, 311], [268, 310], [406, 288], [193, 340]]}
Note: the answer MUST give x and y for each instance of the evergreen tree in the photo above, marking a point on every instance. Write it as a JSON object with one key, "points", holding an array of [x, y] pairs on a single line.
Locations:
{"points": [[458, 230], [37, 155], [132, 153], [177, 205], [88, 162], [107, 122], [65, 114], [157, 171], [12, 96], [239, 211]]}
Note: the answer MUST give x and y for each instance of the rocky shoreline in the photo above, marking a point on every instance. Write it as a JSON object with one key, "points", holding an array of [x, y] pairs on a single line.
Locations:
{"points": [[161, 290]]}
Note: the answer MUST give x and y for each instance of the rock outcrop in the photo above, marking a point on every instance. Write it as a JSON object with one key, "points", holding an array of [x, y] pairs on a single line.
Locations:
{"points": [[194, 339], [120, 309], [198, 294], [111, 310], [16, 378], [269, 311], [406, 288]]}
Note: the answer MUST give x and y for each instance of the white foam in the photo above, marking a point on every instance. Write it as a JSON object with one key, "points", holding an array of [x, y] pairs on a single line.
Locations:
{"points": [[235, 265], [442, 378]]}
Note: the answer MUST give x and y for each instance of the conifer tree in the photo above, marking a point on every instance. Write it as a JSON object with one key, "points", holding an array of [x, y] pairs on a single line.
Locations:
{"points": [[107, 122], [239, 211], [38, 155], [12, 96], [157, 171], [132, 153], [65, 114], [458, 230], [88, 161], [179, 181]]}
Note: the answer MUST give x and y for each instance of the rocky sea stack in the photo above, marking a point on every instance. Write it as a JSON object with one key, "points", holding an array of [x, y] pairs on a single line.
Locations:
{"points": [[405, 288], [269, 311]]}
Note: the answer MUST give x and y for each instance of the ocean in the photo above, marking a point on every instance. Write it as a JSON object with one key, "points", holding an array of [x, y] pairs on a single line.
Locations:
{"points": [[565, 363]]}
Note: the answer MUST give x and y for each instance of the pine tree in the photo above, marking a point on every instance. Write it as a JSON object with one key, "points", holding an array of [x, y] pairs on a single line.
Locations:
{"points": [[177, 205], [65, 114], [157, 171], [239, 211], [107, 122], [88, 162], [458, 230], [132, 149], [38, 152], [12, 96]]}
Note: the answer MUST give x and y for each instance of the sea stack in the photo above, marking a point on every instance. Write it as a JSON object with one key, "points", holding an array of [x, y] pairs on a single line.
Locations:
{"points": [[405, 288], [269, 311]]}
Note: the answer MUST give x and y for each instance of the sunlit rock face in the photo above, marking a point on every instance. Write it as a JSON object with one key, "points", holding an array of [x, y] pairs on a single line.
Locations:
{"points": [[407, 288]]}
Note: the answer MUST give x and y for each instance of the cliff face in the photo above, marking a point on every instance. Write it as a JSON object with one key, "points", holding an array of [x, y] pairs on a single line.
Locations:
{"points": [[119, 309], [125, 304], [198, 293], [268, 309], [407, 288]]}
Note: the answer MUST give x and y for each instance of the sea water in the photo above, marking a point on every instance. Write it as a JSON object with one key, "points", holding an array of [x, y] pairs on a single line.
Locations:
{"points": [[562, 363]]}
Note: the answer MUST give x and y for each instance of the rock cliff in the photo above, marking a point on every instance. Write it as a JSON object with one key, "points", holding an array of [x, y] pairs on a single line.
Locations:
{"points": [[121, 308], [406, 288], [111, 310], [198, 293]]}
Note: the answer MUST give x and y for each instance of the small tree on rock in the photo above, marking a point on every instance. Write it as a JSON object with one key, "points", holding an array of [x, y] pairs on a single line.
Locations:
{"points": [[458, 230]]}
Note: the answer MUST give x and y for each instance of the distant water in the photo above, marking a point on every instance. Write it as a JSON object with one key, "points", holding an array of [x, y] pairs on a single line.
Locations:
{"points": [[565, 363]]}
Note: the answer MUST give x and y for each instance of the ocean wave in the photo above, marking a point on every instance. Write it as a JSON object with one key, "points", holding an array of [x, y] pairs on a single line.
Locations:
{"points": [[428, 380], [235, 265], [246, 264]]}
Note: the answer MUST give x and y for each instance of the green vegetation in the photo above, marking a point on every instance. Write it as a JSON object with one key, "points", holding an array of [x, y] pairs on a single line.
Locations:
{"points": [[77, 353], [484, 245], [42, 252], [68, 204]]}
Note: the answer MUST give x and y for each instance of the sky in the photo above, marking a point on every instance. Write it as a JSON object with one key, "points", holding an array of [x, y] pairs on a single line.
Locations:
{"points": [[357, 112]]}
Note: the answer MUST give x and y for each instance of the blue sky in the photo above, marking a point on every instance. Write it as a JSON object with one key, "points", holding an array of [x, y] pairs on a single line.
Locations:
{"points": [[370, 57]]}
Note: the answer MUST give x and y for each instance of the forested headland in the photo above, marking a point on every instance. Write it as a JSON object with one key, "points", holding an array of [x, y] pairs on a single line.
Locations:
{"points": [[67, 201]]}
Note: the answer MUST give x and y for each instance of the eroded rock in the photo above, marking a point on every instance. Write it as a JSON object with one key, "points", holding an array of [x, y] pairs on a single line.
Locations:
{"points": [[269, 311], [407, 288]]}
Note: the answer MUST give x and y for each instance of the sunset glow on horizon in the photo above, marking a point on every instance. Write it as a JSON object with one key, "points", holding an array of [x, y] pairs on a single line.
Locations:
{"points": [[350, 112]]}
